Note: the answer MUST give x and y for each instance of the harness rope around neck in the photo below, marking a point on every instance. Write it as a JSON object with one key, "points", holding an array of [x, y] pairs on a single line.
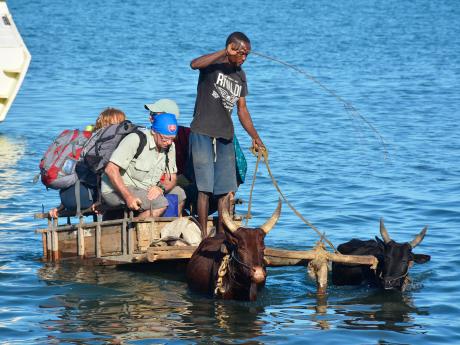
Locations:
{"points": [[223, 269]]}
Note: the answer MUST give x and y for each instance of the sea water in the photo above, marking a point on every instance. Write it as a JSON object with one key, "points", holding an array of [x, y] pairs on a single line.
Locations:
{"points": [[396, 62]]}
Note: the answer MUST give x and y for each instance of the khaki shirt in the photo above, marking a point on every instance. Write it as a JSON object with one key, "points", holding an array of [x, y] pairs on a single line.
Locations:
{"points": [[146, 170]]}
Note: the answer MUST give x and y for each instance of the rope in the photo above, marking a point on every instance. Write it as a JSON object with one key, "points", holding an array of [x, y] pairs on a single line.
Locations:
{"points": [[349, 108], [220, 290], [264, 153], [249, 215]]}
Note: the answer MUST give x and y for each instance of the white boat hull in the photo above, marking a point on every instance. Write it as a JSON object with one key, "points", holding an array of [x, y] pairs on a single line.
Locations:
{"points": [[14, 60]]}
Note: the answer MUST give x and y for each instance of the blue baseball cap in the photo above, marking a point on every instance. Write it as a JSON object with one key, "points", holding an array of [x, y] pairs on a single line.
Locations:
{"points": [[165, 124]]}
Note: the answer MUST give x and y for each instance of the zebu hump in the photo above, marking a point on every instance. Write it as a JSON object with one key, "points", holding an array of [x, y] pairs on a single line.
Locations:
{"points": [[359, 247]]}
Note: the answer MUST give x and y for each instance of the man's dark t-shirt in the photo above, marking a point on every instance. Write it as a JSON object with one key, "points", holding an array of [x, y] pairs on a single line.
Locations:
{"points": [[219, 88]]}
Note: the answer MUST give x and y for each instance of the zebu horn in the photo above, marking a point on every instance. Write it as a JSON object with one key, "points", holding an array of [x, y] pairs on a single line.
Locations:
{"points": [[384, 232], [416, 241], [228, 221], [272, 221]]}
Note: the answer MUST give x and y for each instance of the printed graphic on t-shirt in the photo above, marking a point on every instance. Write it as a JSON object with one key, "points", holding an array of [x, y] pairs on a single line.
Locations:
{"points": [[228, 89]]}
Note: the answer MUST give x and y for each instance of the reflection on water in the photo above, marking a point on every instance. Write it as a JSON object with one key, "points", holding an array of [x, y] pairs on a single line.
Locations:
{"points": [[12, 179], [380, 310], [11, 151], [118, 305], [125, 305]]}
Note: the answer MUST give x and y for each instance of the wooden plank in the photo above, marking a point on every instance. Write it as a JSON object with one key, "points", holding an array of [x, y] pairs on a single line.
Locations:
{"points": [[354, 259], [97, 234], [160, 220], [131, 234], [55, 245], [147, 232], [80, 241], [169, 253], [45, 249], [276, 261], [290, 254], [274, 257], [122, 259], [48, 242], [173, 248], [124, 243], [280, 257]]}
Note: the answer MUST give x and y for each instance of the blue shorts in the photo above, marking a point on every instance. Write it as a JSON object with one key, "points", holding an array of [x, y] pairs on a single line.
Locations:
{"points": [[69, 200], [213, 165]]}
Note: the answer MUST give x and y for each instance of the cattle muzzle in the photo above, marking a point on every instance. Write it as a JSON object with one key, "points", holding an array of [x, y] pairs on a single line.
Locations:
{"points": [[395, 283], [257, 273]]}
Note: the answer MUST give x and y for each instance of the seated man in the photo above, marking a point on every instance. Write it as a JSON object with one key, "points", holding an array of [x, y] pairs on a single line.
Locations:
{"points": [[136, 182], [181, 140], [184, 168]]}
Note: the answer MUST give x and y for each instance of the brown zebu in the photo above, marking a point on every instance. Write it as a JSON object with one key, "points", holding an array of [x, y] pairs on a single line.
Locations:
{"points": [[231, 265], [394, 259]]}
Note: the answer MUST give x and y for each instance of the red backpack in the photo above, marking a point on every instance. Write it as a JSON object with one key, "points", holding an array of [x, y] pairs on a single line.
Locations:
{"points": [[57, 167]]}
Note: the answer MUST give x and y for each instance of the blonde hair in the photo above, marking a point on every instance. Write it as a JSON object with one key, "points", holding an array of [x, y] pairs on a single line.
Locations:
{"points": [[109, 116]]}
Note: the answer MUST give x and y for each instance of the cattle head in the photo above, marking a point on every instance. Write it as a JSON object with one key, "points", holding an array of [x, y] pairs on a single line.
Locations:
{"points": [[245, 247], [395, 259]]}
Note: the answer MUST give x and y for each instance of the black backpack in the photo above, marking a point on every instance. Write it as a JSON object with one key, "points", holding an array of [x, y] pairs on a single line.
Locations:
{"points": [[99, 148]]}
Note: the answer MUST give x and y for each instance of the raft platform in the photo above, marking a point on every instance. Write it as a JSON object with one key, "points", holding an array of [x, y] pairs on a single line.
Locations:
{"points": [[129, 241]]}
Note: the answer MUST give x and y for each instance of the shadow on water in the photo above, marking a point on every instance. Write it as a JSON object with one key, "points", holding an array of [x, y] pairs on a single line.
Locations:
{"points": [[118, 305]]}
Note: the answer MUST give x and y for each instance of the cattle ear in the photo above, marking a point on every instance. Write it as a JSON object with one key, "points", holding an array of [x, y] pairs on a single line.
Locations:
{"points": [[421, 258], [230, 237], [380, 243]]}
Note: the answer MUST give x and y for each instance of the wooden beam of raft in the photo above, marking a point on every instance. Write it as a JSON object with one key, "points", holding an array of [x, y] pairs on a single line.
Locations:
{"points": [[274, 257]]}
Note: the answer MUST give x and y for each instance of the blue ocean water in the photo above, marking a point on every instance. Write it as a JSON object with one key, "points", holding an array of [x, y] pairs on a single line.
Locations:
{"points": [[397, 62]]}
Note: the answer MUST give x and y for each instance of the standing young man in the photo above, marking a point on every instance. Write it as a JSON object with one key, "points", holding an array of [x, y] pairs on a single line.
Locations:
{"points": [[221, 85]]}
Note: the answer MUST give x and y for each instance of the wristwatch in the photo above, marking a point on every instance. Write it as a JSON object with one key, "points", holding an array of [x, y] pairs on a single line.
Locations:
{"points": [[161, 187]]}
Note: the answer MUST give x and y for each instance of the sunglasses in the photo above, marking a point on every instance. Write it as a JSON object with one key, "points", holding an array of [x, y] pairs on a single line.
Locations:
{"points": [[154, 113], [166, 140]]}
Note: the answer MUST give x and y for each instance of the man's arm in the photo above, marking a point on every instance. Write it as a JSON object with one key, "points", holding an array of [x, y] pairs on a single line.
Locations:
{"points": [[113, 172], [246, 122], [208, 59]]}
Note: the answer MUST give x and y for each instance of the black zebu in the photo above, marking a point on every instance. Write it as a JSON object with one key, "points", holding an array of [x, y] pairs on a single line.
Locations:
{"points": [[241, 250], [394, 258]]}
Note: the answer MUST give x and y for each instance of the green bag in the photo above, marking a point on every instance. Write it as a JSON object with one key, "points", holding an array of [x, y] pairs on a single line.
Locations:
{"points": [[241, 164]]}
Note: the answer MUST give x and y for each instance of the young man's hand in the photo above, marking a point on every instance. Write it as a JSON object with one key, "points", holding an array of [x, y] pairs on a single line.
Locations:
{"points": [[234, 48], [258, 144]]}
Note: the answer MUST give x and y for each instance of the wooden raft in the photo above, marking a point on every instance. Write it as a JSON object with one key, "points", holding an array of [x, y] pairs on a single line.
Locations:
{"points": [[127, 241]]}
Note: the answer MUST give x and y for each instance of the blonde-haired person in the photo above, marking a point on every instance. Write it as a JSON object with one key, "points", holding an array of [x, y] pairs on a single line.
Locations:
{"points": [[109, 116]]}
